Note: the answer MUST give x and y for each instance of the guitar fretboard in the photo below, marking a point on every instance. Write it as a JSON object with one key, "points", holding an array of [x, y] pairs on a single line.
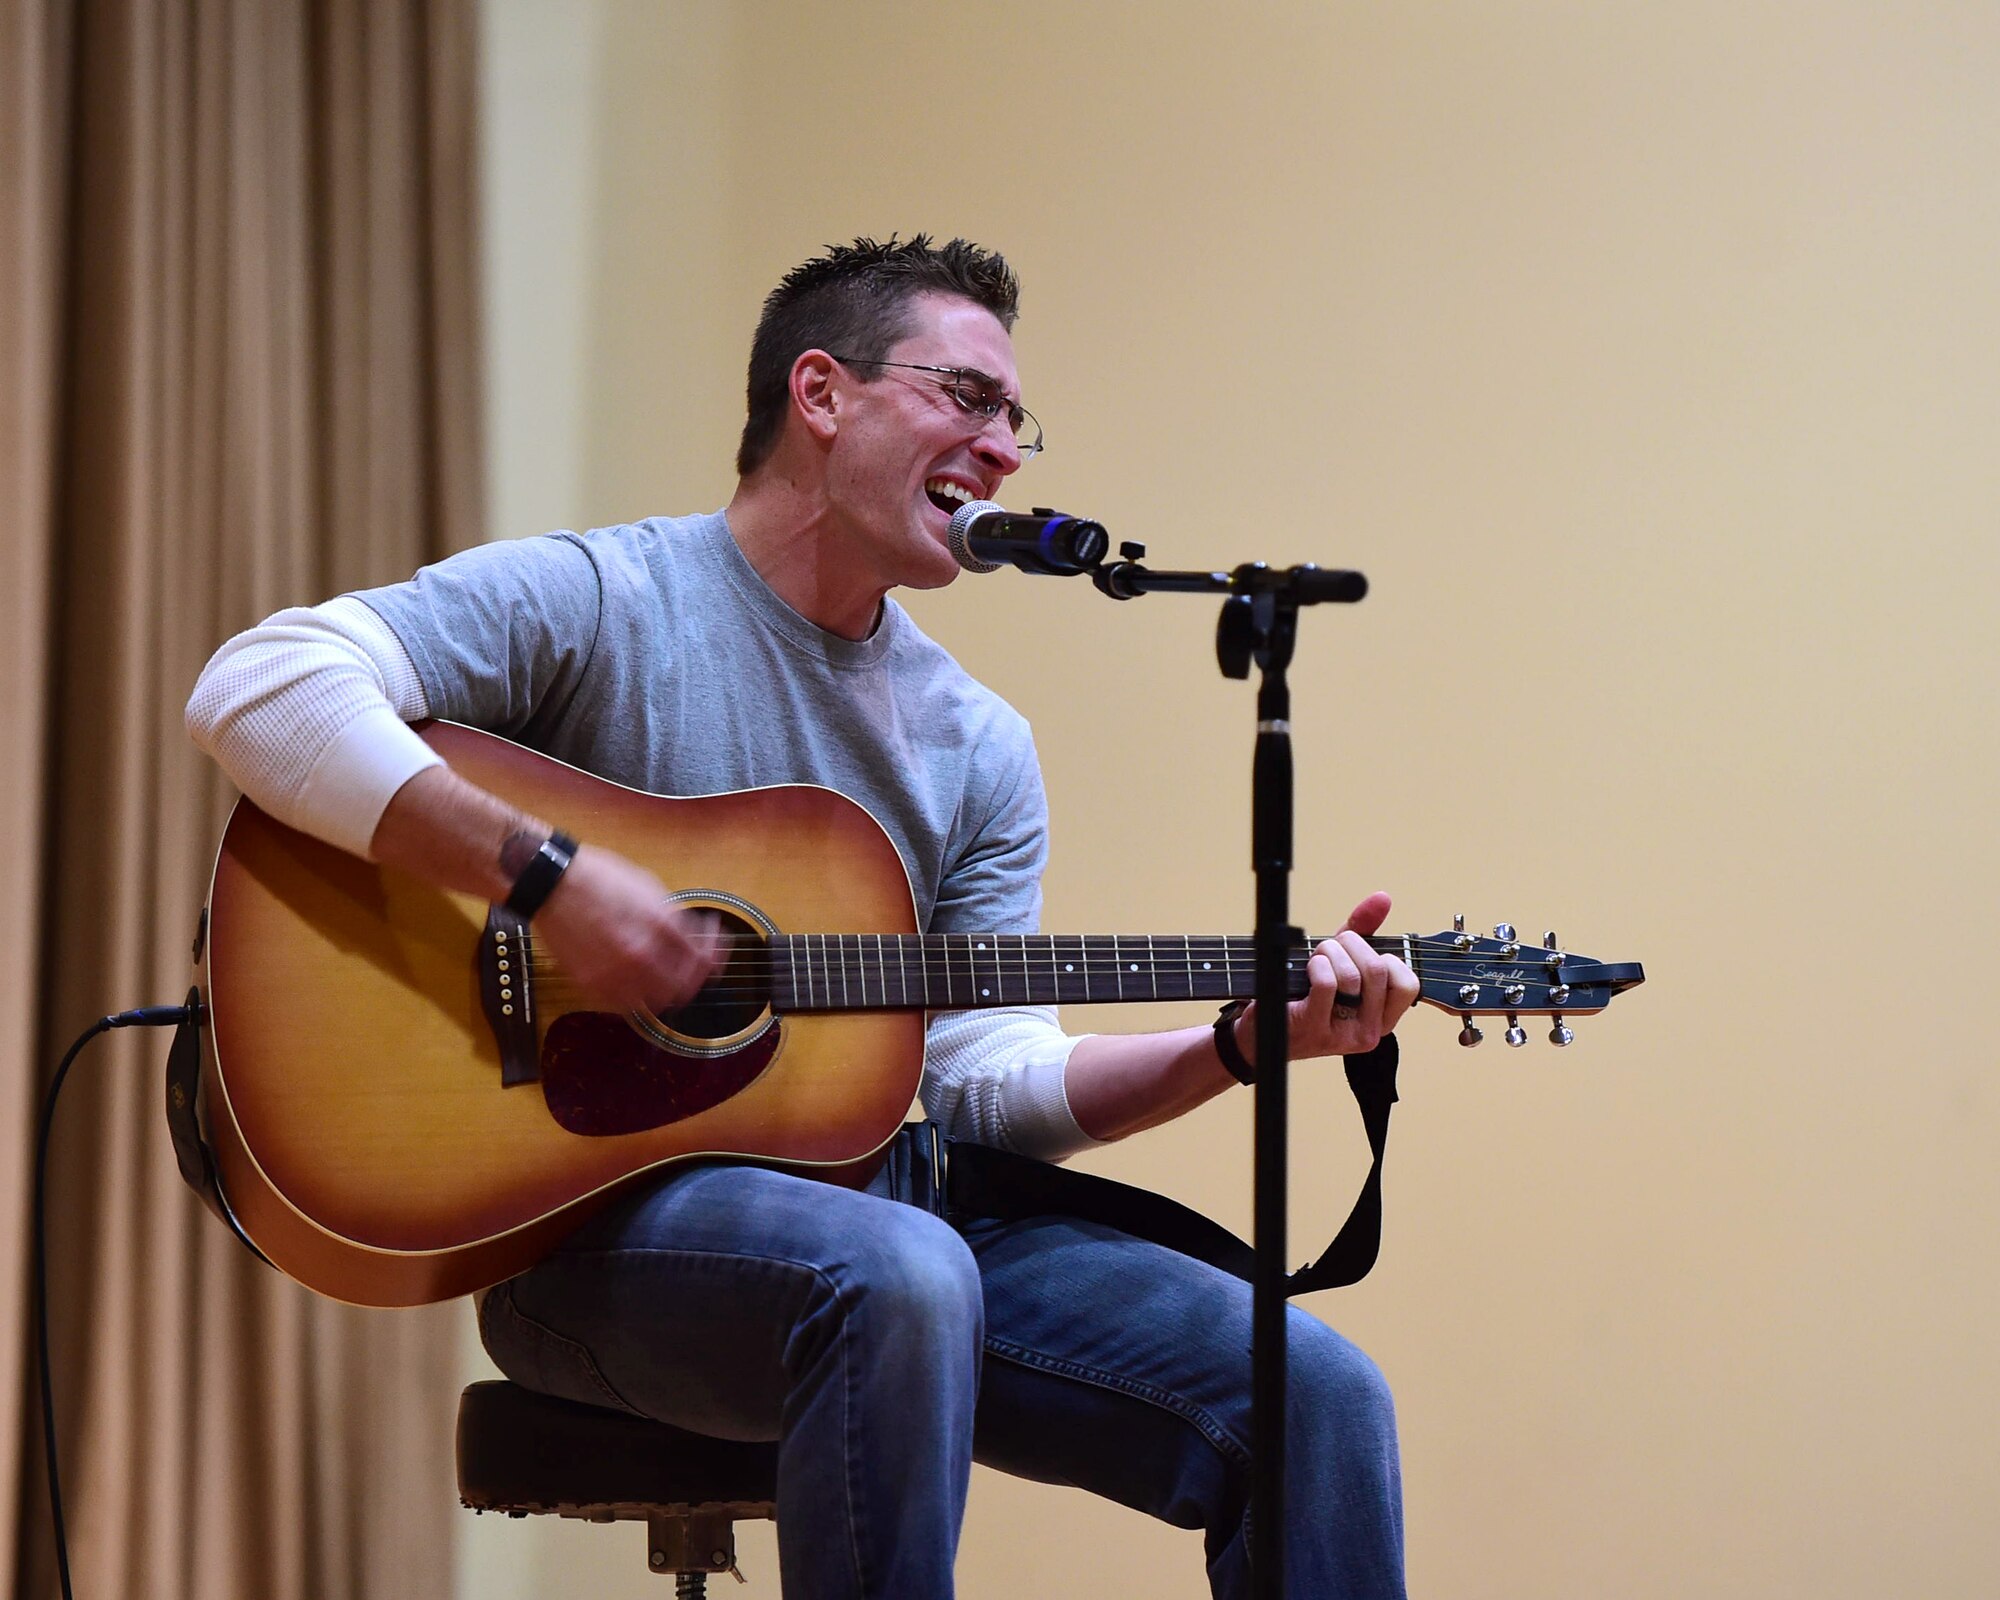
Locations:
{"points": [[943, 971]]}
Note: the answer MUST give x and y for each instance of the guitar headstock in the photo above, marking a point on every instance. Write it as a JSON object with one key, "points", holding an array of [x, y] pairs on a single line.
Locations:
{"points": [[1474, 976]]}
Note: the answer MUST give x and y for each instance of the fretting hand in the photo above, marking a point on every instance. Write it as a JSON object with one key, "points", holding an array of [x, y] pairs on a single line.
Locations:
{"points": [[1358, 994]]}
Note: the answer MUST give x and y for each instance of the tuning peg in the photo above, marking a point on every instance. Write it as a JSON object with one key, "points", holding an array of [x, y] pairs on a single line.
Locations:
{"points": [[1549, 940], [1470, 1034], [1503, 930], [1460, 939], [1510, 946], [1516, 1035], [1560, 1035]]}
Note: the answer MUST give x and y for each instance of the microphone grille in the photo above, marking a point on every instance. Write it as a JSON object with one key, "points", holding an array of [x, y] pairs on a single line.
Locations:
{"points": [[958, 536]]}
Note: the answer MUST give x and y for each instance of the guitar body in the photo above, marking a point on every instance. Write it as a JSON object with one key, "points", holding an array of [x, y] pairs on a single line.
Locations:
{"points": [[353, 1079]]}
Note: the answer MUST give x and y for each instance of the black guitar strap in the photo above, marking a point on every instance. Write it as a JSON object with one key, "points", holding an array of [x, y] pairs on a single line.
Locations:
{"points": [[983, 1182]]}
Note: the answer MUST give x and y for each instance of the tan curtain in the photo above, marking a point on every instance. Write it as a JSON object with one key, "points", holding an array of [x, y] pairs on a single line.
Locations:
{"points": [[237, 368]]}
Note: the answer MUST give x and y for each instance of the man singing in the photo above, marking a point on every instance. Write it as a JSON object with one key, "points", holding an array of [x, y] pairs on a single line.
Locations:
{"points": [[884, 1347]]}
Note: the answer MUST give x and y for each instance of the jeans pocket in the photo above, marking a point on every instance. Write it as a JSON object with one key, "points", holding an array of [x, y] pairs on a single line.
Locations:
{"points": [[535, 1356]]}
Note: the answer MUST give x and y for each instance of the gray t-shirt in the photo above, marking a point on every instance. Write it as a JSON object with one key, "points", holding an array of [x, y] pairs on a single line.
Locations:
{"points": [[654, 655]]}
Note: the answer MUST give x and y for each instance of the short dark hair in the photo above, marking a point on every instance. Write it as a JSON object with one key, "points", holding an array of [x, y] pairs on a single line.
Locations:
{"points": [[854, 301]]}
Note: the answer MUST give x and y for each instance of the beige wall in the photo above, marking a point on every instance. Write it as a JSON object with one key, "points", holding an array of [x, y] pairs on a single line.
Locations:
{"points": [[1648, 360]]}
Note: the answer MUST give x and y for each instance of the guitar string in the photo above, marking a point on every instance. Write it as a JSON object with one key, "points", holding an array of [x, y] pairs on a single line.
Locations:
{"points": [[743, 981], [1233, 950], [861, 963], [1233, 947], [745, 978]]}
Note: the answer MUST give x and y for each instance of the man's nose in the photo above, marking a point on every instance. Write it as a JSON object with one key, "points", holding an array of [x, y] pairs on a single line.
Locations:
{"points": [[997, 447]]}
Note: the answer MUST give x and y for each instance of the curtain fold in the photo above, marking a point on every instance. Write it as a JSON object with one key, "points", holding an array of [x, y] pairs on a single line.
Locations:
{"points": [[240, 372]]}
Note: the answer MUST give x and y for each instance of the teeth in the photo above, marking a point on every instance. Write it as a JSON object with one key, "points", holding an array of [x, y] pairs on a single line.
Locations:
{"points": [[950, 490]]}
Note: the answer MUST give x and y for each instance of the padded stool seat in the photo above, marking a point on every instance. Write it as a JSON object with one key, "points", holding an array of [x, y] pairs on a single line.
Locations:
{"points": [[520, 1453]]}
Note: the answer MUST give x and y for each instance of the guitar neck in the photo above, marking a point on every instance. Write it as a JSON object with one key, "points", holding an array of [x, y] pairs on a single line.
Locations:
{"points": [[945, 971]]}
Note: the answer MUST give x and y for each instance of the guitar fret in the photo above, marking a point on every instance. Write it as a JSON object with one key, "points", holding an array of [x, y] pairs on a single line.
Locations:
{"points": [[1064, 951], [1214, 973], [950, 975]]}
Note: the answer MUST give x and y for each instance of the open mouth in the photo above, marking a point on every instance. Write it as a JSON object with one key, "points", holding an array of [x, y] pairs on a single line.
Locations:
{"points": [[946, 495]]}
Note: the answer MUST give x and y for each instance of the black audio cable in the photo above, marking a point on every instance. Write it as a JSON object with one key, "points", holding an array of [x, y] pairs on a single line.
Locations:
{"points": [[143, 1017]]}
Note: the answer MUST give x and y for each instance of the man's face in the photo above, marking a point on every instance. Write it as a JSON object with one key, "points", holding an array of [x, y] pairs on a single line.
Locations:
{"points": [[908, 454]]}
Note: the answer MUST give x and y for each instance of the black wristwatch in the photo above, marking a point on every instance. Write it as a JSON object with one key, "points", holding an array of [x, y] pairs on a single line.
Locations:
{"points": [[540, 876]]}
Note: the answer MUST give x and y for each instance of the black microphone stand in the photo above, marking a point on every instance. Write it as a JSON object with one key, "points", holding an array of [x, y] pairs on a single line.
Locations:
{"points": [[1259, 623]]}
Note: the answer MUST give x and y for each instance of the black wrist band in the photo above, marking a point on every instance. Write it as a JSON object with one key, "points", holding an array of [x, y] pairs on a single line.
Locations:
{"points": [[540, 876], [1225, 1043]]}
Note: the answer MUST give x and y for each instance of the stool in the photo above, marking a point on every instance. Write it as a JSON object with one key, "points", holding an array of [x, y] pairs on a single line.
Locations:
{"points": [[522, 1453]]}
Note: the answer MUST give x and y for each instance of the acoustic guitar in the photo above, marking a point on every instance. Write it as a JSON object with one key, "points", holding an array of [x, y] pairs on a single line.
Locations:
{"points": [[407, 1102]]}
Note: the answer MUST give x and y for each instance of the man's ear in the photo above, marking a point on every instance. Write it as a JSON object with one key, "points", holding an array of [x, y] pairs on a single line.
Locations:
{"points": [[815, 386]]}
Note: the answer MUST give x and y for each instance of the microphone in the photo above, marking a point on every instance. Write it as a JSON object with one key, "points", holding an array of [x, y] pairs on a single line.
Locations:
{"points": [[985, 538]]}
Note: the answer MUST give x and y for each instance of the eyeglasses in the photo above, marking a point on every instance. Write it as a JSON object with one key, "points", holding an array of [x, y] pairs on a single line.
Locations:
{"points": [[975, 392]]}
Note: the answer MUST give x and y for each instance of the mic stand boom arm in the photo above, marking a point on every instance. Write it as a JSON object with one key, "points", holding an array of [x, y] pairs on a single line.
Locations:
{"points": [[1259, 623]]}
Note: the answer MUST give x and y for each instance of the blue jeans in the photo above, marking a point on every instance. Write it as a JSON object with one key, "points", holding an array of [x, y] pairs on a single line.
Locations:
{"points": [[886, 1350]]}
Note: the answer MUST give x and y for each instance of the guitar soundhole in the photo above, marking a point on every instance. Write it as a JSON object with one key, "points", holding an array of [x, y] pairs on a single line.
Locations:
{"points": [[735, 997]]}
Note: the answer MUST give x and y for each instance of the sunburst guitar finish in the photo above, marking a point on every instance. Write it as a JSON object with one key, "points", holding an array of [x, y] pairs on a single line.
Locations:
{"points": [[353, 1078]]}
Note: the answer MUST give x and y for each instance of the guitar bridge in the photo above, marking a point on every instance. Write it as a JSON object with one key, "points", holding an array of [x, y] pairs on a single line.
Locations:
{"points": [[507, 995]]}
